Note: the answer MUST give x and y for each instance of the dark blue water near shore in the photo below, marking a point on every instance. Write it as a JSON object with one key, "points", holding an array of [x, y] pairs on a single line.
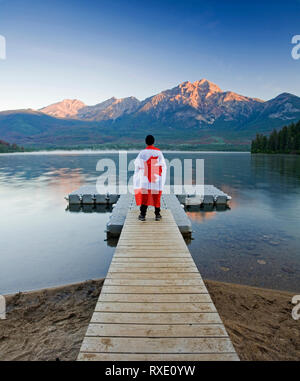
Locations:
{"points": [[255, 242]]}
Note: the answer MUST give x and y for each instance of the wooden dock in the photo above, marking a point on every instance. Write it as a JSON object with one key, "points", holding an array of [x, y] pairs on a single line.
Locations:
{"points": [[154, 304]]}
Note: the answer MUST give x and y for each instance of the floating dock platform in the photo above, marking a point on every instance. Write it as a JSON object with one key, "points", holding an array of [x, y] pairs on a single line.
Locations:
{"points": [[87, 196], [210, 196], [154, 305], [127, 202]]}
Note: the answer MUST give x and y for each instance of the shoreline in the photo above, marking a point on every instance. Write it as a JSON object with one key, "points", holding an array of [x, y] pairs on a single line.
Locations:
{"points": [[67, 285], [49, 324], [53, 288], [90, 151]]}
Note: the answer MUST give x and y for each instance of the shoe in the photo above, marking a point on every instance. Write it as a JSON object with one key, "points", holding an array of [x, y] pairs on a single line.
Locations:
{"points": [[142, 218], [158, 217]]}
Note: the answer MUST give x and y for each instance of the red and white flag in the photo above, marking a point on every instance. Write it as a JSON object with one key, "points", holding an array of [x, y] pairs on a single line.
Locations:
{"points": [[149, 176]]}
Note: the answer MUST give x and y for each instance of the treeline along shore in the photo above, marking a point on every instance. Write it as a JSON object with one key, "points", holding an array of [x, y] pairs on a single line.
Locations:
{"points": [[8, 148], [286, 140]]}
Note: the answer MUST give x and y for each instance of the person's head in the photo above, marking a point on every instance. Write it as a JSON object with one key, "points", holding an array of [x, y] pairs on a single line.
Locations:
{"points": [[149, 140]]}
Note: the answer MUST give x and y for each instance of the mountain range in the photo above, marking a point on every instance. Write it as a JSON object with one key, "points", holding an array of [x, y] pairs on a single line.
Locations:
{"points": [[197, 113]]}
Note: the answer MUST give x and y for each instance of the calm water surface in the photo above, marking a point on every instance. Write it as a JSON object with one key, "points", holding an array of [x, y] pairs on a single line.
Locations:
{"points": [[255, 242]]}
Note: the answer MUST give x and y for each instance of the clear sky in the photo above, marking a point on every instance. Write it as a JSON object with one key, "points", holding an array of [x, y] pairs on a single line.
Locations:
{"points": [[95, 49]]}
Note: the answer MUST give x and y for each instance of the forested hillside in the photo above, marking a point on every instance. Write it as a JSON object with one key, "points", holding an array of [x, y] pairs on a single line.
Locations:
{"points": [[6, 147], [286, 140]]}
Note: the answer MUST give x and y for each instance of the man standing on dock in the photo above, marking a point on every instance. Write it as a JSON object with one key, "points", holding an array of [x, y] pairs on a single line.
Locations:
{"points": [[149, 178]]}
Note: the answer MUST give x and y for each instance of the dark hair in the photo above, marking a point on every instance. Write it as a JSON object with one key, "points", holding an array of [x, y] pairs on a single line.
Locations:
{"points": [[149, 140]]}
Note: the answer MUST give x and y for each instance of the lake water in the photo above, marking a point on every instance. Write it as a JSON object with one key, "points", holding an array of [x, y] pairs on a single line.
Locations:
{"points": [[255, 242]]}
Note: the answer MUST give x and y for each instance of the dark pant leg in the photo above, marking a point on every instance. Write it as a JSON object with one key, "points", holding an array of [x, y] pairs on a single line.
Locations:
{"points": [[157, 211], [143, 210]]}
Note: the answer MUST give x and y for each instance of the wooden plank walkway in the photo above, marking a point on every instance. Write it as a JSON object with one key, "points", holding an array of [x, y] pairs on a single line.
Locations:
{"points": [[154, 304]]}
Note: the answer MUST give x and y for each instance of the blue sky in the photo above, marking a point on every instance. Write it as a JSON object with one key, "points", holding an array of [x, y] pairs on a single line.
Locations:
{"points": [[93, 50]]}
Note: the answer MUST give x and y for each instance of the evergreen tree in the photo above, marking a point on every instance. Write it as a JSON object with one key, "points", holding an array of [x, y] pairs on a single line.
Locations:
{"points": [[287, 140]]}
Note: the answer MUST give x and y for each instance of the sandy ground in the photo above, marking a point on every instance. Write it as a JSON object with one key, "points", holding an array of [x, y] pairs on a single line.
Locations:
{"points": [[258, 321], [50, 324]]}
